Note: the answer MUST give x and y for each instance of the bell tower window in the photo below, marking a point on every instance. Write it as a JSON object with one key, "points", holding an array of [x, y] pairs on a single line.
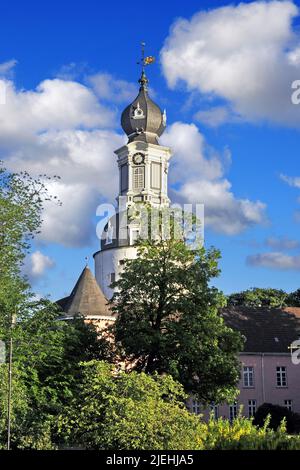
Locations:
{"points": [[138, 178]]}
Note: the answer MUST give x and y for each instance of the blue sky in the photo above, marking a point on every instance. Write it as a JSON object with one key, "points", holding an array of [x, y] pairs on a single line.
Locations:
{"points": [[224, 77]]}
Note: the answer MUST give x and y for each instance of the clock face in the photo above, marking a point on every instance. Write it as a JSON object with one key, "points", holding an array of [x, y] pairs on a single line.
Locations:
{"points": [[138, 158]]}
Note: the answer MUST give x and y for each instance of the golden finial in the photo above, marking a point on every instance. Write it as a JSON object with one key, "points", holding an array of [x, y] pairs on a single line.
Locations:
{"points": [[143, 62]]}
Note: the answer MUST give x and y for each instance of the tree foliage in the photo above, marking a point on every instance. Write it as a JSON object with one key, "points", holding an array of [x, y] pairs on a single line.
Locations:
{"points": [[293, 299], [46, 372], [117, 410], [259, 297], [21, 202], [169, 321], [135, 411]]}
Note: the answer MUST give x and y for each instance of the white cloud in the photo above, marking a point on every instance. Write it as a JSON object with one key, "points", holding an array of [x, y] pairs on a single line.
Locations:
{"points": [[282, 243], [197, 173], [73, 71], [6, 68], [55, 104], [294, 182], [107, 87], [37, 264], [61, 129], [215, 116], [275, 260], [247, 54], [291, 181]]}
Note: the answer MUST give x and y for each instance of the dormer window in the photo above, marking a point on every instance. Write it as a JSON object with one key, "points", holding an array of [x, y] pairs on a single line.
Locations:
{"points": [[138, 113]]}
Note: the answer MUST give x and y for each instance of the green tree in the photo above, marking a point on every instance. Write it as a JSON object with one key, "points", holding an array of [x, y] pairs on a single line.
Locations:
{"points": [[117, 410], [46, 352], [21, 203], [169, 321], [46, 357], [293, 299], [259, 297]]}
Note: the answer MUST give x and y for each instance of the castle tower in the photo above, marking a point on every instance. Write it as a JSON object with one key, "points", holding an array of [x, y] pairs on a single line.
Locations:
{"points": [[88, 300], [143, 178]]}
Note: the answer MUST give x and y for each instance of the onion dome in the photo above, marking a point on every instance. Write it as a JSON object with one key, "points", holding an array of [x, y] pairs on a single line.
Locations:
{"points": [[143, 120]]}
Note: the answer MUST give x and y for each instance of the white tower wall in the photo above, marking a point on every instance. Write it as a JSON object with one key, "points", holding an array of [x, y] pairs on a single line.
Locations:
{"points": [[108, 264]]}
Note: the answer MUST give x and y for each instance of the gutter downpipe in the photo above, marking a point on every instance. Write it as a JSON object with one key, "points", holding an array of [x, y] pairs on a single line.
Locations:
{"points": [[263, 377]]}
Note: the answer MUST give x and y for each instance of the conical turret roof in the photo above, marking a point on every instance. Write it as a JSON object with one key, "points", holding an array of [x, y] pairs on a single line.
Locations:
{"points": [[86, 298]]}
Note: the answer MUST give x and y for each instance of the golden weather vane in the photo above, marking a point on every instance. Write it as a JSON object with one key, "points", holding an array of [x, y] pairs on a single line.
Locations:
{"points": [[145, 60]]}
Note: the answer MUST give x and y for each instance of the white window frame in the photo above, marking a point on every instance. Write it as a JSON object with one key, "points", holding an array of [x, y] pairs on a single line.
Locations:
{"points": [[138, 178], [252, 406], [288, 404], [215, 410], [233, 410], [196, 407], [248, 376], [281, 377]]}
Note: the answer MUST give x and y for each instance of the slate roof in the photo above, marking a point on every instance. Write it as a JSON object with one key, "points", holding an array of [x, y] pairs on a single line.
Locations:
{"points": [[266, 330], [86, 298], [150, 125]]}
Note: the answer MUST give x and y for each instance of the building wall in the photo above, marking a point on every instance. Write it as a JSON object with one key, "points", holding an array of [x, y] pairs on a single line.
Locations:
{"points": [[265, 389], [108, 262]]}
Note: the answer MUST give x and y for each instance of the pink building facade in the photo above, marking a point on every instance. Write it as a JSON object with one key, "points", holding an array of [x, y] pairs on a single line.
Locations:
{"points": [[268, 374]]}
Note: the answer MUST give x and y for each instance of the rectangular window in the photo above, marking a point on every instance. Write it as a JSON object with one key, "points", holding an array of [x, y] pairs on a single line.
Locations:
{"points": [[214, 410], [138, 178], [124, 178], [196, 408], [112, 277], [288, 404], [281, 378], [251, 408], [248, 376], [233, 411], [156, 175]]}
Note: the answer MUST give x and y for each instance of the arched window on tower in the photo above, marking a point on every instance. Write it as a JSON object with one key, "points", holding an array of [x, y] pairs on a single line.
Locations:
{"points": [[109, 233]]}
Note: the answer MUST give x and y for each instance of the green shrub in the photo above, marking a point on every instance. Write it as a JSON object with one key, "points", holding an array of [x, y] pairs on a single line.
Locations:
{"points": [[118, 410], [277, 413], [242, 434]]}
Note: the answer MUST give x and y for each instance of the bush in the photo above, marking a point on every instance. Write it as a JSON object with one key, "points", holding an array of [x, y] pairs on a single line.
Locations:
{"points": [[126, 411], [277, 414], [118, 410], [242, 434]]}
